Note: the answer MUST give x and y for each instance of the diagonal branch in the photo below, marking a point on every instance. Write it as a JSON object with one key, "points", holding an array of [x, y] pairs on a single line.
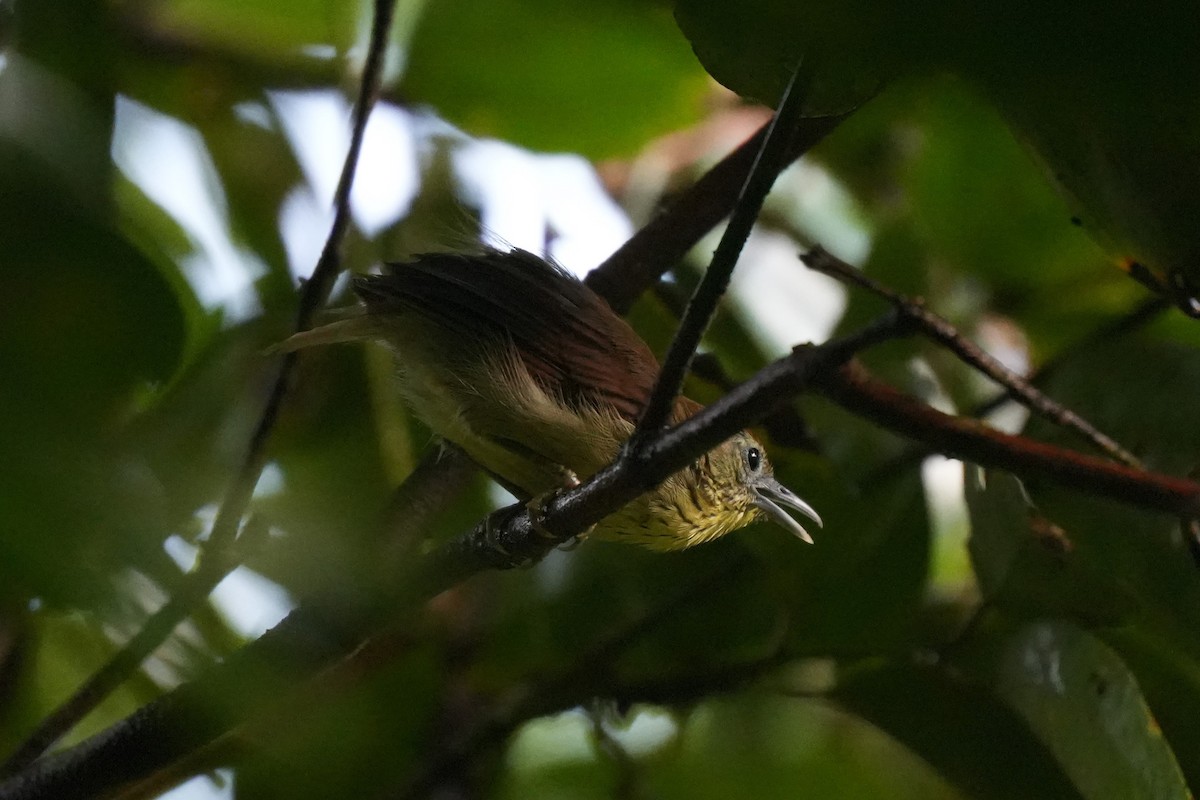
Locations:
{"points": [[853, 388], [676, 229], [219, 555], [1139, 317], [940, 330], [770, 161]]}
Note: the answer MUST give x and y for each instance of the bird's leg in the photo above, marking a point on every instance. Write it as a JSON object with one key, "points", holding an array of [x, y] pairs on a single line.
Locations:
{"points": [[565, 478], [495, 522]]}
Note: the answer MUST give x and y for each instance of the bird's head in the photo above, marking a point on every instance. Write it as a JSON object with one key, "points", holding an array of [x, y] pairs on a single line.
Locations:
{"points": [[727, 489], [758, 489]]}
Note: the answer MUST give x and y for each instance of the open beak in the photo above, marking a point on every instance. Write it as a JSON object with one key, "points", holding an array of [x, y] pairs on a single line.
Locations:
{"points": [[771, 496]]}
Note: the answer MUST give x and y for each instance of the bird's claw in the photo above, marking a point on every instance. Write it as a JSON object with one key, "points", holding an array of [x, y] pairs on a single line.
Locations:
{"points": [[493, 524], [537, 512]]}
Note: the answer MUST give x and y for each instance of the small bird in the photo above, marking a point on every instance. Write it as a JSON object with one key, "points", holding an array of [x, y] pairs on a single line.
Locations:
{"points": [[518, 363]]}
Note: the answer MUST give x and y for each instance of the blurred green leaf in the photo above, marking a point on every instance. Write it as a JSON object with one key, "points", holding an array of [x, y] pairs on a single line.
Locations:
{"points": [[595, 78], [858, 589], [333, 489], [967, 734], [92, 331], [1085, 705], [555, 757], [1028, 565], [968, 221], [359, 739], [763, 745], [1101, 94], [267, 29], [64, 649], [1170, 681]]}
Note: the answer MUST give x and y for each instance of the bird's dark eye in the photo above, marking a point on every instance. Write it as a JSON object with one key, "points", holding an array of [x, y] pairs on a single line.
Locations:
{"points": [[754, 458]]}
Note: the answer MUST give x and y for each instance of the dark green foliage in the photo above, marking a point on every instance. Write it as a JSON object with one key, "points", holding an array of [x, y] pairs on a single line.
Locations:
{"points": [[1041, 643]]}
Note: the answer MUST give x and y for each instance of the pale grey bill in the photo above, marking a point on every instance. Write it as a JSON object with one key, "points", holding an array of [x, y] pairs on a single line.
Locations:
{"points": [[770, 495]]}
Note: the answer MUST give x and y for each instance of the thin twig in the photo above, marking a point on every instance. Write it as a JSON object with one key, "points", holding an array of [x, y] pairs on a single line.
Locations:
{"points": [[676, 229], [314, 291], [700, 309], [853, 388], [217, 555], [1146, 312], [940, 330], [1127, 323], [785, 426], [625, 765]]}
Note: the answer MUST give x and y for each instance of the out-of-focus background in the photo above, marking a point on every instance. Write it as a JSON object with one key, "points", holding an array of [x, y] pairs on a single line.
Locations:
{"points": [[166, 175]]}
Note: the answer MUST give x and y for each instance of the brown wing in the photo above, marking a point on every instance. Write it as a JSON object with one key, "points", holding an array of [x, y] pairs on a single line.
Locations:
{"points": [[571, 342]]}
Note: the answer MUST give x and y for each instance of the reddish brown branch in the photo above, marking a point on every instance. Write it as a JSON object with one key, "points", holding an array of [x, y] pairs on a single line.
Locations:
{"points": [[853, 388], [940, 330]]}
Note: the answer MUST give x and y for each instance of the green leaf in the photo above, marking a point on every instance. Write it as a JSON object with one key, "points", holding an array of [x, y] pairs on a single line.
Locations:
{"points": [[63, 650], [1130, 389], [92, 333], [772, 747], [1086, 706], [596, 78], [1170, 681], [266, 29], [859, 588], [1026, 564], [1100, 93], [754, 47], [366, 734], [971, 738], [1105, 100]]}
